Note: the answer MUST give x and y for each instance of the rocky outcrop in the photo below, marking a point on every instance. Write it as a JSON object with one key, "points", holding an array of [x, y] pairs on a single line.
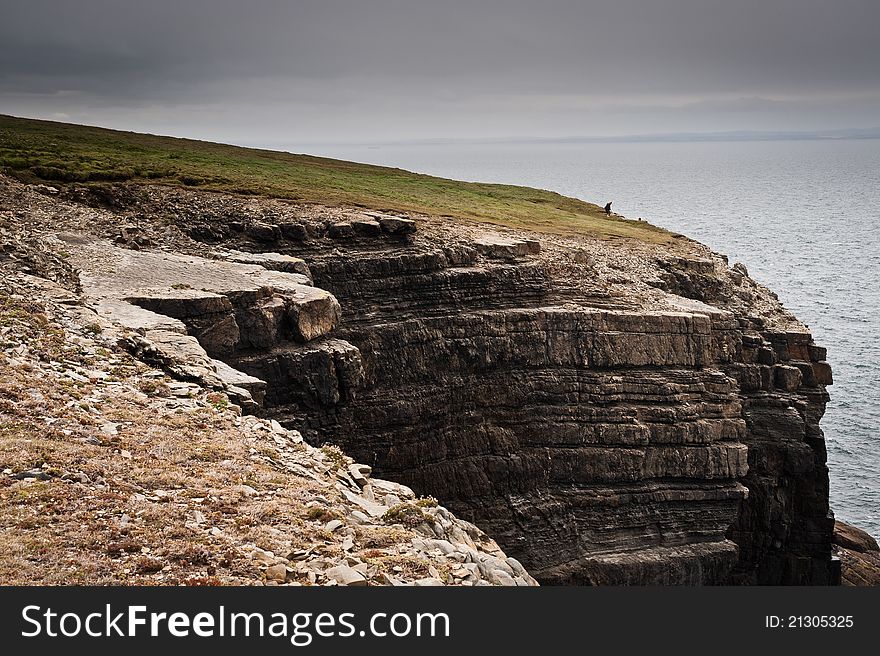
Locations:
{"points": [[784, 529], [189, 311], [859, 555], [609, 413]]}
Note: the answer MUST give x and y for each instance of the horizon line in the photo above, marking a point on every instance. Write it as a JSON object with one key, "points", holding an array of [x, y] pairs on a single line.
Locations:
{"points": [[725, 135], [860, 133]]}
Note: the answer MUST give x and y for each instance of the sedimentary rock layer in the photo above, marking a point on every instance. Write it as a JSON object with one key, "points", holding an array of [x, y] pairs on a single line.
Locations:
{"points": [[609, 415], [638, 445]]}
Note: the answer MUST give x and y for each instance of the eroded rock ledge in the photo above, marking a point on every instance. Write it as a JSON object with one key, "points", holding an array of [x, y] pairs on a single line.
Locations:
{"points": [[609, 412], [113, 473]]}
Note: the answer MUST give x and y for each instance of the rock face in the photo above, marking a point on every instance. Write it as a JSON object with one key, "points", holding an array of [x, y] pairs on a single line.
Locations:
{"points": [[600, 439], [784, 529], [650, 420]]}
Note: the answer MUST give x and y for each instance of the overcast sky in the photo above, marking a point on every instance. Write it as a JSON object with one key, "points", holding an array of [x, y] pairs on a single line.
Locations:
{"points": [[274, 73]]}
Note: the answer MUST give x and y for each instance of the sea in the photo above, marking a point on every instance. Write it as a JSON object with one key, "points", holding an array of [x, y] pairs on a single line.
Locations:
{"points": [[802, 215]]}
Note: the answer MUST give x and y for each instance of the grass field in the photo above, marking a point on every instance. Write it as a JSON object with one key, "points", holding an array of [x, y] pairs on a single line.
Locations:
{"points": [[33, 150]]}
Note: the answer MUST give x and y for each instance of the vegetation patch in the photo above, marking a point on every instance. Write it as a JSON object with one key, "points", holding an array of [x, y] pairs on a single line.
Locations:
{"points": [[321, 514], [335, 455], [35, 151], [406, 514]]}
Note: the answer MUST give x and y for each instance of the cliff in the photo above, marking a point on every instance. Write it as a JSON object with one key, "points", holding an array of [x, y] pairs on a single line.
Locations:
{"points": [[114, 472], [610, 411]]}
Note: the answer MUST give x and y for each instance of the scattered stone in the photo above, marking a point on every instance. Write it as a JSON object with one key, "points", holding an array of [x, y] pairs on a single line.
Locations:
{"points": [[580, 256], [110, 428], [391, 487], [263, 556], [345, 575], [37, 474], [359, 518], [248, 389], [388, 579], [359, 473], [500, 577], [372, 508], [332, 525], [276, 573]]}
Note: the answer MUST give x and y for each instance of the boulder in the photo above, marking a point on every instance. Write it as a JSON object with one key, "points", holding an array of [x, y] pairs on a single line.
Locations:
{"points": [[295, 231], [366, 227], [340, 230], [359, 473], [264, 232], [311, 313], [787, 377], [345, 575], [852, 538], [276, 573], [506, 248], [395, 225]]}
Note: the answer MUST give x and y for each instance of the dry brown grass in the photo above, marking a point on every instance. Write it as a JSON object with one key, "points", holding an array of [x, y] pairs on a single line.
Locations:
{"points": [[119, 508]]}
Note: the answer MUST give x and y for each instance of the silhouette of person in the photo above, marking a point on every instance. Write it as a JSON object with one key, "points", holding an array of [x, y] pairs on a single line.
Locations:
{"points": [[608, 209]]}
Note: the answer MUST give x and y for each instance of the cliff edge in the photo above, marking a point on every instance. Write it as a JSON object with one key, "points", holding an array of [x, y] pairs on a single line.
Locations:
{"points": [[610, 411]]}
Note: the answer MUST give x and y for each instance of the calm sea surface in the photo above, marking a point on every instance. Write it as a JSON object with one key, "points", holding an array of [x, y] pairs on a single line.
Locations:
{"points": [[803, 216]]}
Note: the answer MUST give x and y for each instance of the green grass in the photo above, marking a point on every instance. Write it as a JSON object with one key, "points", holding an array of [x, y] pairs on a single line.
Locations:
{"points": [[33, 150]]}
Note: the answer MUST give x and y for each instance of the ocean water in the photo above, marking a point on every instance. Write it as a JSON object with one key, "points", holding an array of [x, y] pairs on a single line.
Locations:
{"points": [[803, 216]]}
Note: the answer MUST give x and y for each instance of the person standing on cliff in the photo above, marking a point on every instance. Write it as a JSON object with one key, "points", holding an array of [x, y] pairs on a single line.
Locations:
{"points": [[608, 208]]}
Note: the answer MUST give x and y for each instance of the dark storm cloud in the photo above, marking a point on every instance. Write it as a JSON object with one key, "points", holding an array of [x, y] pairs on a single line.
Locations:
{"points": [[384, 68]]}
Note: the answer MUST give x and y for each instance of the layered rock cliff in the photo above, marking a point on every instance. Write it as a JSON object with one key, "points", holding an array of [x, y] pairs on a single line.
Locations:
{"points": [[609, 411], [601, 437], [113, 471]]}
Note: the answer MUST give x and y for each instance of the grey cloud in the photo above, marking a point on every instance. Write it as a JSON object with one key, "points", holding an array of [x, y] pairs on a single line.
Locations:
{"points": [[333, 68]]}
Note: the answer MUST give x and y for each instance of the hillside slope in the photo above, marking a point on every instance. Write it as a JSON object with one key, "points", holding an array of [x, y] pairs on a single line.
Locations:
{"points": [[42, 150]]}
